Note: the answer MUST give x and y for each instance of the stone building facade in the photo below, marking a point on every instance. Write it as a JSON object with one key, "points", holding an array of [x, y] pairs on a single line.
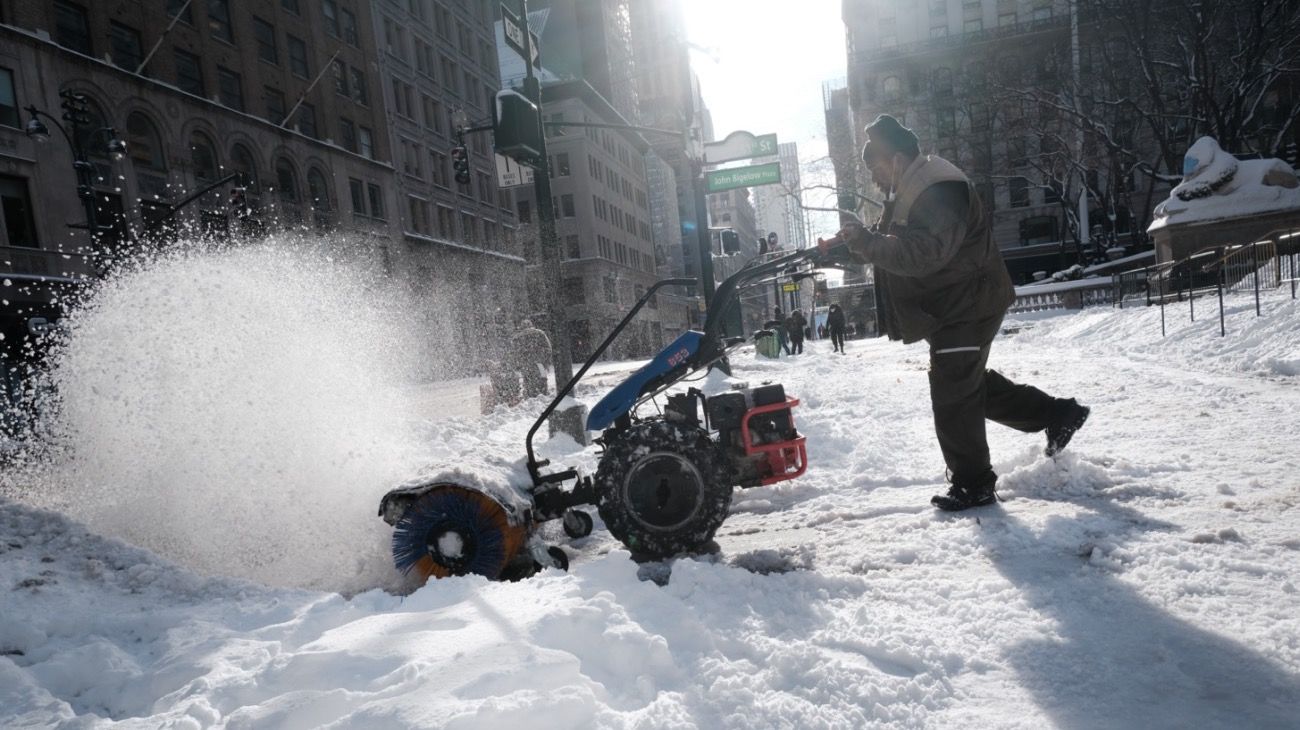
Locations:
{"points": [[951, 70], [286, 91], [600, 192], [438, 67]]}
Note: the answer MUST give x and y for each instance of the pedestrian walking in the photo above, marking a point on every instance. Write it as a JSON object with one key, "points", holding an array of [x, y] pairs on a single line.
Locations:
{"points": [[777, 324], [943, 280], [795, 324], [835, 323], [530, 351]]}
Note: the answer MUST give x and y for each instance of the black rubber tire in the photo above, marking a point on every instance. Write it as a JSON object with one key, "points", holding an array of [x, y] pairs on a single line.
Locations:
{"points": [[577, 524], [663, 489]]}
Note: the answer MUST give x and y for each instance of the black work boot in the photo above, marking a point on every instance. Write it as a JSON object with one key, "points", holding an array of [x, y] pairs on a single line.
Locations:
{"points": [[1070, 417], [967, 492]]}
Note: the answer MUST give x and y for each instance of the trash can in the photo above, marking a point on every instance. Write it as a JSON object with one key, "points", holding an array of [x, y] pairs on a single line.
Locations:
{"points": [[766, 344]]}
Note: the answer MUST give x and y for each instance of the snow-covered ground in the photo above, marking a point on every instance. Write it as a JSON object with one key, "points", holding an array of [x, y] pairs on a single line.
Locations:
{"points": [[1146, 578]]}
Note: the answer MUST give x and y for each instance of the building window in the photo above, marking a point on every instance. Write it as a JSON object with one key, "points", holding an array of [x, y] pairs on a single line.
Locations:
{"points": [[562, 164], [1052, 193], [143, 143], [417, 213], [938, 31], [446, 222], [298, 57], [230, 89], [1039, 229], [189, 74], [125, 40], [1019, 192], [8, 100], [349, 23], [330, 10], [307, 120], [357, 191], [219, 20], [433, 116], [566, 204], [943, 81], [241, 160], [348, 134], [438, 162], [359, 92], [572, 247], [291, 6], [469, 228], [376, 201], [1042, 9], [71, 26], [318, 189], [286, 181], [892, 88], [340, 70], [274, 100], [264, 32], [19, 222], [203, 157], [366, 142], [524, 211]]}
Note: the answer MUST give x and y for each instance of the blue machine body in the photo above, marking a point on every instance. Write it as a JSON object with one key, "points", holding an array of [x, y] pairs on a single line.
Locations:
{"points": [[621, 399]]}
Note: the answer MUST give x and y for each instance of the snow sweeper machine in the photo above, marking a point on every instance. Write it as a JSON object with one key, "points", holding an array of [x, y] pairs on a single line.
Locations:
{"points": [[664, 480]]}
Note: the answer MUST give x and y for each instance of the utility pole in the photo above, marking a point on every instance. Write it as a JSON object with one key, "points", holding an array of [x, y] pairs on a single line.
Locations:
{"points": [[704, 242], [1084, 233], [548, 242]]}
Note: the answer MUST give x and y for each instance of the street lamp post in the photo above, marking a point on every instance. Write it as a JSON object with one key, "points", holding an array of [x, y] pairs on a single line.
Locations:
{"points": [[76, 114]]}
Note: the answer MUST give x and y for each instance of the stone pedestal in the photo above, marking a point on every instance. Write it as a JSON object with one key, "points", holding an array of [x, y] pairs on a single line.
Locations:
{"points": [[570, 418]]}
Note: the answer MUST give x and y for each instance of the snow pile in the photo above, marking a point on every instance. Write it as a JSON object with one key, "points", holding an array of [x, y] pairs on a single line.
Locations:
{"points": [[1147, 577], [1218, 186]]}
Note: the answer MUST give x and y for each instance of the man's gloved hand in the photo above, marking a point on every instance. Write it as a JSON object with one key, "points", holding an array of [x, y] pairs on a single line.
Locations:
{"points": [[833, 252], [852, 245]]}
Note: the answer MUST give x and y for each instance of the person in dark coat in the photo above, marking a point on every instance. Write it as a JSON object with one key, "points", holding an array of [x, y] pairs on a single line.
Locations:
{"points": [[942, 279], [777, 324], [530, 351], [835, 323], [794, 325]]}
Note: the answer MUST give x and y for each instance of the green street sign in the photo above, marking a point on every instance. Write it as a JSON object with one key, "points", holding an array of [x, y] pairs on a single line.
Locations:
{"points": [[739, 145], [749, 176]]}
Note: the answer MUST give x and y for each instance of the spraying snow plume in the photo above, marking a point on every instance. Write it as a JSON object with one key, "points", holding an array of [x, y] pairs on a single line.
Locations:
{"points": [[240, 412]]}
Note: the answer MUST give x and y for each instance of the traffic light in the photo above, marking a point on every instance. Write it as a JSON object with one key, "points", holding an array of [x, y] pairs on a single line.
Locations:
{"points": [[460, 164], [730, 241]]}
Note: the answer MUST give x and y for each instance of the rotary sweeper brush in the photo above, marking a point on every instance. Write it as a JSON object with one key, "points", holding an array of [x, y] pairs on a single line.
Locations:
{"points": [[664, 481]]}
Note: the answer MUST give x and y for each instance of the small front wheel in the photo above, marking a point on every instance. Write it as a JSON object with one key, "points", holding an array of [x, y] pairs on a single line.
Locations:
{"points": [[577, 524], [664, 489]]}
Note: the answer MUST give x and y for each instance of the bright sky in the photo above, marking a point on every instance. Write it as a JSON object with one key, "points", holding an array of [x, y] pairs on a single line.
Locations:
{"points": [[772, 57]]}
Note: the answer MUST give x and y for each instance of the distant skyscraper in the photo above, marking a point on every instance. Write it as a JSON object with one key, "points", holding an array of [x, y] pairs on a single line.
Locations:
{"points": [[779, 208]]}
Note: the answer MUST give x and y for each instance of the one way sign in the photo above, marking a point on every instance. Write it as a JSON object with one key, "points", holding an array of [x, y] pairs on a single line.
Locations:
{"points": [[514, 32]]}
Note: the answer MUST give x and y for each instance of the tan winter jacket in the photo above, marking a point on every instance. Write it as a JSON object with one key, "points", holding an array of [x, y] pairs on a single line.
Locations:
{"points": [[935, 261]]}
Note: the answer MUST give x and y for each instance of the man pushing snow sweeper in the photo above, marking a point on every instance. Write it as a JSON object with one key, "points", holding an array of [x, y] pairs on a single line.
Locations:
{"points": [[942, 279]]}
